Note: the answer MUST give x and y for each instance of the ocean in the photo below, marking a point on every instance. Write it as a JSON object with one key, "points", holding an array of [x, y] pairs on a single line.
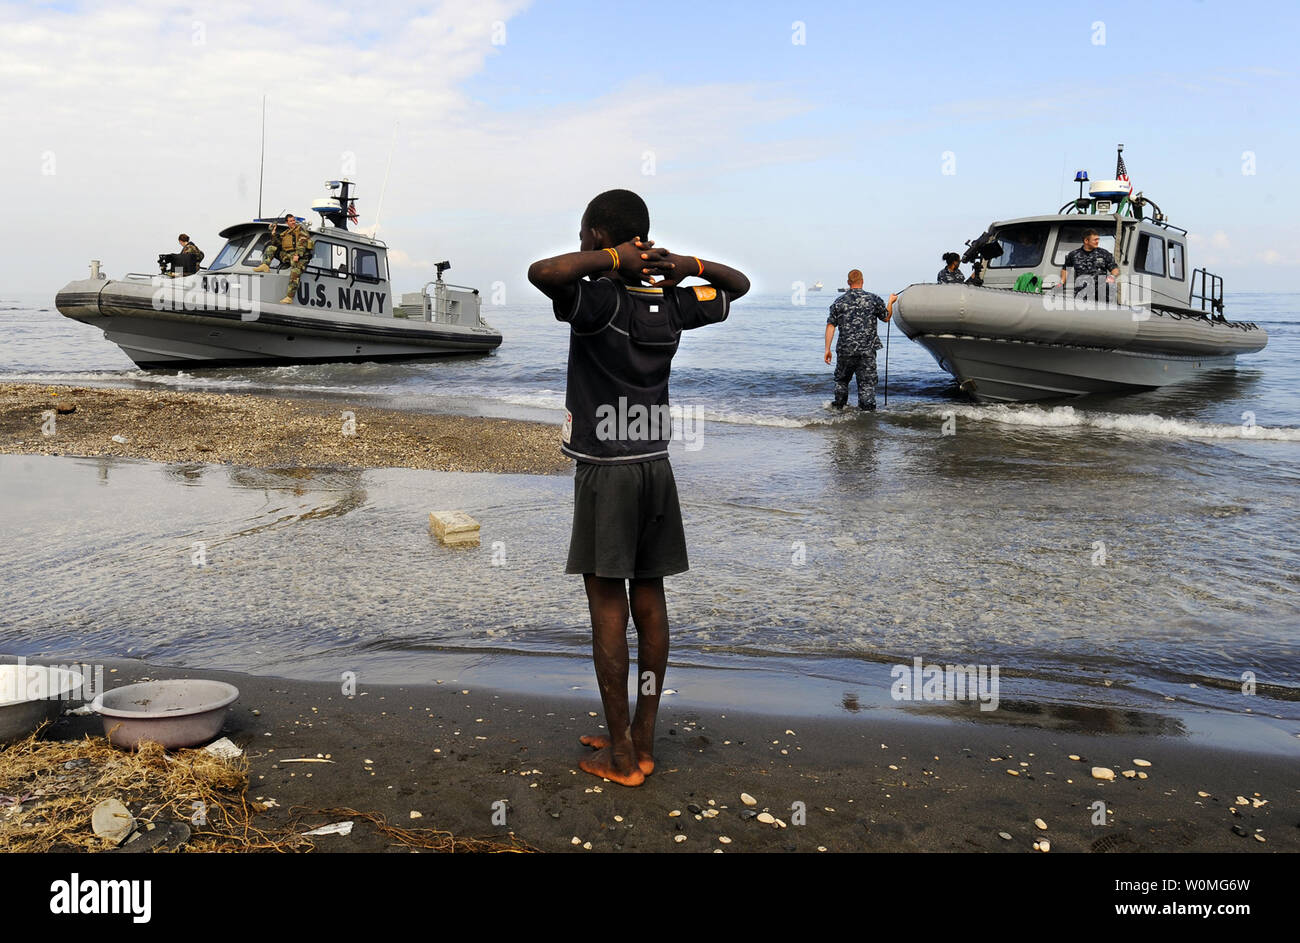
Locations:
{"points": [[1122, 552]]}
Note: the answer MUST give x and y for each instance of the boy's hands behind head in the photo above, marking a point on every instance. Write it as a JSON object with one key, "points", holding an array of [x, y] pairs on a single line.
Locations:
{"points": [[642, 259]]}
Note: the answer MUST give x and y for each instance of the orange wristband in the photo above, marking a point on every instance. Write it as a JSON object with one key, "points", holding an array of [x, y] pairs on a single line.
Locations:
{"points": [[613, 255], [700, 264]]}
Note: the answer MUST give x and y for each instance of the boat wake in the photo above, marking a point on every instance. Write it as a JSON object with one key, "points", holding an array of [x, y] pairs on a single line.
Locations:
{"points": [[1068, 418]]}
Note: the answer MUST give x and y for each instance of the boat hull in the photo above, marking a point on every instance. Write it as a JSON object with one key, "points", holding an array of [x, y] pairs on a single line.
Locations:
{"points": [[157, 332], [1004, 346]]}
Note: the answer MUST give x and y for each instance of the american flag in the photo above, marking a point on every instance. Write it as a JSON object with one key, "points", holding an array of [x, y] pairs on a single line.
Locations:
{"points": [[1121, 172], [352, 211]]}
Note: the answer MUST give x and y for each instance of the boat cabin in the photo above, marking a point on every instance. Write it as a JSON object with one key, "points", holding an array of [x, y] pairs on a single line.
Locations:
{"points": [[347, 271], [1146, 248]]}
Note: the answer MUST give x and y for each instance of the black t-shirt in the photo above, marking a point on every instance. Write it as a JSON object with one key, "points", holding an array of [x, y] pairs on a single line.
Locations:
{"points": [[621, 344]]}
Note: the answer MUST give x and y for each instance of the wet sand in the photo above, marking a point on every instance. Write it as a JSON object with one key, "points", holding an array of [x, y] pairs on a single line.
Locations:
{"points": [[264, 431], [871, 782]]}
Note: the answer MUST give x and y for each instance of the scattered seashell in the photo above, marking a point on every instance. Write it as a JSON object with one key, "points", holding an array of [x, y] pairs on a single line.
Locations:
{"points": [[679, 838], [724, 839]]}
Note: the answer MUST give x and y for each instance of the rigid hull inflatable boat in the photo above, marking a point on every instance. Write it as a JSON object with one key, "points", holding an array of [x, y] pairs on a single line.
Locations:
{"points": [[1011, 333], [230, 315]]}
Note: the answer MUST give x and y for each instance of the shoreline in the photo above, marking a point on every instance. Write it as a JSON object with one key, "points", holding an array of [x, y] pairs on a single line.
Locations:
{"points": [[870, 782], [264, 431]]}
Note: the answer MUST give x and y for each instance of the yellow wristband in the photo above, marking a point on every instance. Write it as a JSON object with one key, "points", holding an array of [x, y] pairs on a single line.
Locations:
{"points": [[613, 255], [700, 264]]}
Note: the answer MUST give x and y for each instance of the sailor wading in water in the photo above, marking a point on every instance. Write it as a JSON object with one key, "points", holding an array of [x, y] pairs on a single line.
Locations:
{"points": [[293, 248], [855, 313], [627, 523]]}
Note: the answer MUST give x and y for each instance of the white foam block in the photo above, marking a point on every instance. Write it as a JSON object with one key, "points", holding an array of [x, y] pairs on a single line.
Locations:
{"points": [[454, 528]]}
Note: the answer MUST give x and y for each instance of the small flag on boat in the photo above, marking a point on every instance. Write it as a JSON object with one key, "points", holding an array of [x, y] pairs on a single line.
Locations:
{"points": [[352, 211], [1121, 172]]}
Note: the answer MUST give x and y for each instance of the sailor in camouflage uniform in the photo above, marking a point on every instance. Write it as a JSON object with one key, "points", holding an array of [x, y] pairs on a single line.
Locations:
{"points": [[951, 274], [293, 247], [855, 313], [1090, 264]]}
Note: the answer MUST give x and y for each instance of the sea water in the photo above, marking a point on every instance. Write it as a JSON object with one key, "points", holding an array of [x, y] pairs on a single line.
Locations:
{"points": [[1120, 549]]}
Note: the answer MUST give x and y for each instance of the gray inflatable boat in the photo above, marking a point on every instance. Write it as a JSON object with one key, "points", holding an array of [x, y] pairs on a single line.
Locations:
{"points": [[229, 314], [1013, 333]]}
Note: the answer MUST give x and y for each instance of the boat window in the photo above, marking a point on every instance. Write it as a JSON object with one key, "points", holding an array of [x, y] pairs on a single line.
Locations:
{"points": [[1022, 245], [365, 264], [254, 256], [228, 254], [1151, 254], [1176, 260], [330, 257], [1070, 237]]}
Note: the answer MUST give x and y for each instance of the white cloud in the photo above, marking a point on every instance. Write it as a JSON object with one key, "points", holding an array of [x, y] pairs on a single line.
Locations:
{"points": [[149, 117]]}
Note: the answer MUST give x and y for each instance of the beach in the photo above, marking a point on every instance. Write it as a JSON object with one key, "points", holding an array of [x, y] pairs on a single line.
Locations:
{"points": [[1125, 564], [875, 781], [223, 428]]}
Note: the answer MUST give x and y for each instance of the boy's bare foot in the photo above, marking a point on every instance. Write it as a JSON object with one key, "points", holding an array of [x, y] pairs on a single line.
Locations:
{"points": [[645, 760], [602, 764]]}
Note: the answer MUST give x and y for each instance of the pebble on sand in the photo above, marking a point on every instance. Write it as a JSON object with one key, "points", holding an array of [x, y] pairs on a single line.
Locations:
{"points": [[1042, 845], [767, 818], [679, 838], [1129, 774], [1040, 824], [1103, 772], [416, 815], [1005, 836], [748, 799], [724, 839], [1141, 762]]}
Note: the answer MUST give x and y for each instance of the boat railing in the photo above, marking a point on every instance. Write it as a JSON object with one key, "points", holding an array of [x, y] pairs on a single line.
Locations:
{"points": [[1208, 290], [442, 308]]}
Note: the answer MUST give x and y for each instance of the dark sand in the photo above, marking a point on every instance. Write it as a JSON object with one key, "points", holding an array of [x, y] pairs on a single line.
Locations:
{"points": [[266, 431], [874, 781]]}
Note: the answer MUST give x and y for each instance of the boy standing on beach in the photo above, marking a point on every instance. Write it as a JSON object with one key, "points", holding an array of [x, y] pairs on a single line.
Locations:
{"points": [[627, 523]]}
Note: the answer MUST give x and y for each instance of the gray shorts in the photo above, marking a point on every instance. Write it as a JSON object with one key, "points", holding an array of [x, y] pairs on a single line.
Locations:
{"points": [[627, 523]]}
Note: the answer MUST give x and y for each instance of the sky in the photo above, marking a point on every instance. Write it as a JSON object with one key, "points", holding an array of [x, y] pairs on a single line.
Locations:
{"points": [[793, 141]]}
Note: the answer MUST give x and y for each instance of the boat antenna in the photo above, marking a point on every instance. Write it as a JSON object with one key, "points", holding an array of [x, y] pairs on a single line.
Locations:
{"points": [[379, 207], [261, 163]]}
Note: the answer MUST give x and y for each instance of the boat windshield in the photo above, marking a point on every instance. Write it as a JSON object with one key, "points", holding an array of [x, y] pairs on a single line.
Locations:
{"points": [[229, 253], [1070, 236], [1022, 245]]}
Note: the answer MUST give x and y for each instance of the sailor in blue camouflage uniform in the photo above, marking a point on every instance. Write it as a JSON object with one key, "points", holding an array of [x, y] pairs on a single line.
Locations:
{"points": [[1091, 265], [951, 274], [855, 314]]}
